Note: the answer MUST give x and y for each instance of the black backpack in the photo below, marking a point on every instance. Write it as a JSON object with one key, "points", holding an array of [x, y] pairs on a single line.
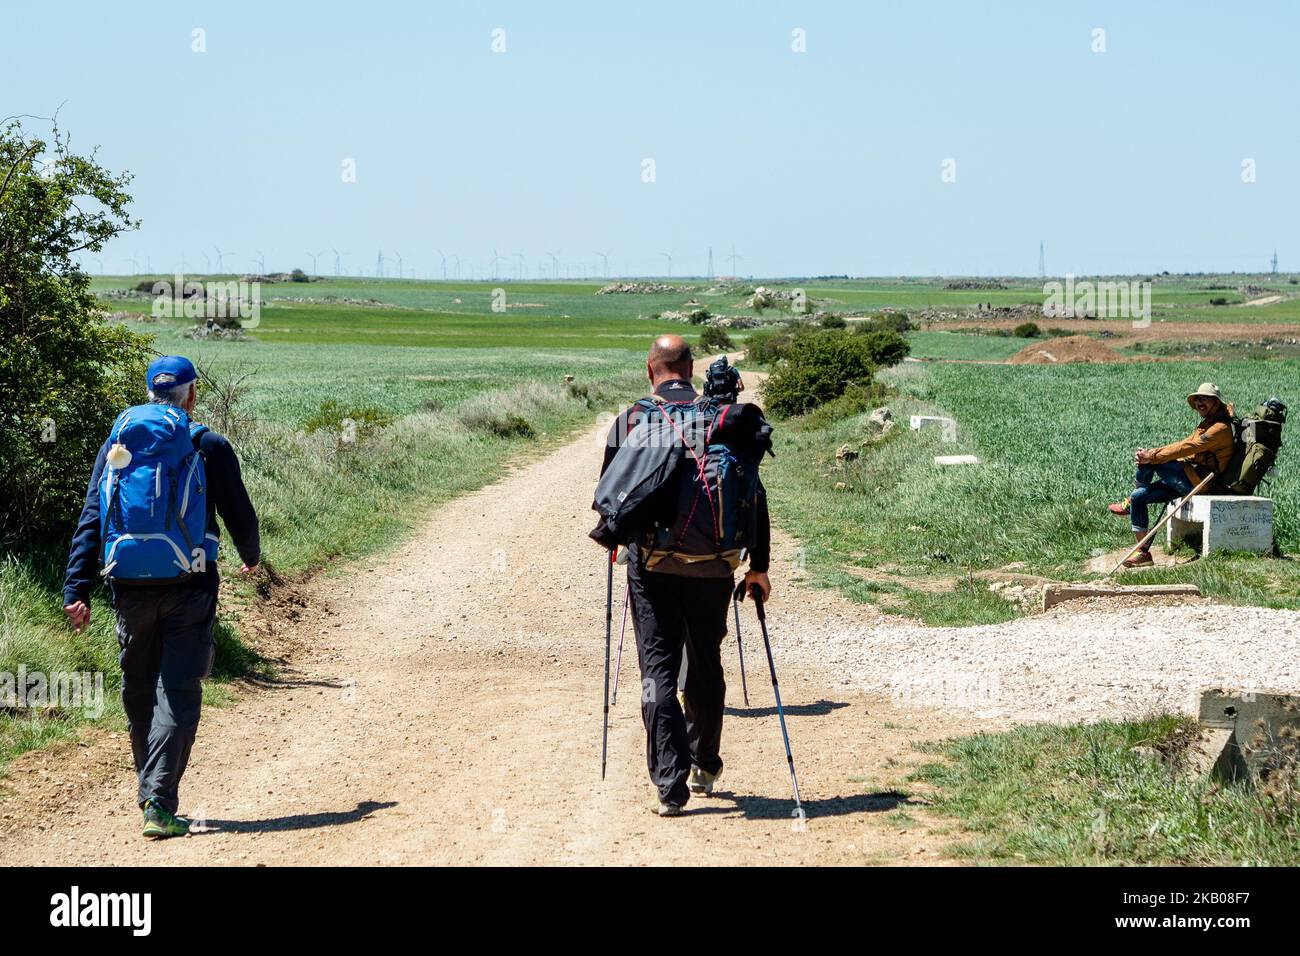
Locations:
{"points": [[1257, 438], [684, 485]]}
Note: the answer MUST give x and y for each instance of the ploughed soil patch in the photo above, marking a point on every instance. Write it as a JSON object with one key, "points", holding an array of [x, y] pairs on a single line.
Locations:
{"points": [[1069, 349]]}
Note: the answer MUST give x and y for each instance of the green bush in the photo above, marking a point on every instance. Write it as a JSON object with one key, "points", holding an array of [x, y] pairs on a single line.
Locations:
{"points": [[1027, 330], [886, 348], [768, 348], [819, 366], [891, 322], [64, 374], [714, 339], [299, 276], [833, 322]]}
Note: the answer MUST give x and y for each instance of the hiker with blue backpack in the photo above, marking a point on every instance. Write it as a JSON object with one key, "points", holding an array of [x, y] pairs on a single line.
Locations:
{"points": [[680, 489], [149, 528]]}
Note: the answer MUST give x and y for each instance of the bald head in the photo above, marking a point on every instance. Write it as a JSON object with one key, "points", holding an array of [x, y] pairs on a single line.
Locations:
{"points": [[669, 358]]}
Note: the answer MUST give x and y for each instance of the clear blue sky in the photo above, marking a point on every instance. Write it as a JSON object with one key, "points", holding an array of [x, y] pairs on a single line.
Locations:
{"points": [[821, 162]]}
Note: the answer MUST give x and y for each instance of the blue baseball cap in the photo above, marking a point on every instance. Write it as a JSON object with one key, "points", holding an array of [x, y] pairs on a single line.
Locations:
{"points": [[168, 371]]}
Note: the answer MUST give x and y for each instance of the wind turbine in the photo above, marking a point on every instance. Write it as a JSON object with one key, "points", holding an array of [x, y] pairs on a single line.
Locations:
{"points": [[207, 259], [444, 264], [556, 263], [313, 256], [605, 268], [519, 273], [135, 266], [338, 257], [670, 263], [495, 259], [261, 262], [218, 260], [457, 258], [399, 263]]}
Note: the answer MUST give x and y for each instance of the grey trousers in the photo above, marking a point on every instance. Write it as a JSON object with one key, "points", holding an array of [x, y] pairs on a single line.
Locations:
{"points": [[165, 636]]}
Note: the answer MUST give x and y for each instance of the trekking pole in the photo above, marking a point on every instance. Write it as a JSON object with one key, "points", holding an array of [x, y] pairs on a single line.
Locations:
{"points": [[757, 593], [1169, 513], [618, 662], [609, 624], [735, 606]]}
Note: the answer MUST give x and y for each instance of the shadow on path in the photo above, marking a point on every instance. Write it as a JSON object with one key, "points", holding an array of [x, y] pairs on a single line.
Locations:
{"points": [[819, 709], [302, 821]]}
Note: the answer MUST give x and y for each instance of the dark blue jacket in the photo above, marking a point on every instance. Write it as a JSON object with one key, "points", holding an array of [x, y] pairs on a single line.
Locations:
{"points": [[226, 495]]}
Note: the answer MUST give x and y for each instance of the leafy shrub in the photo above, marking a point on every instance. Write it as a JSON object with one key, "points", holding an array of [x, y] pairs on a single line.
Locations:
{"points": [[768, 348], [299, 276], [886, 348], [891, 322], [64, 374], [1027, 330], [833, 322], [1218, 300], [819, 366], [714, 339]]}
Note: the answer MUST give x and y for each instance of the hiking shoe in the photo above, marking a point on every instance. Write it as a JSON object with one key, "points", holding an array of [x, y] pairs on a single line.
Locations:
{"points": [[1120, 508], [701, 781], [1140, 560], [159, 822], [665, 809]]}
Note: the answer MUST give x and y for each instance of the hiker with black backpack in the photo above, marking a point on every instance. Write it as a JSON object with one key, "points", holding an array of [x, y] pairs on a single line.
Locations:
{"points": [[680, 488], [149, 528]]}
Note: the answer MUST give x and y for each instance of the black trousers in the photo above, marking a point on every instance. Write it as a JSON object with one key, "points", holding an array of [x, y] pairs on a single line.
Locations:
{"points": [[165, 636], [674, 615]]}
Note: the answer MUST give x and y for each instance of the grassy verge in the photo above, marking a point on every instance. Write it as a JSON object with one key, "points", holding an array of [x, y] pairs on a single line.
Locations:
{"points": [[1079, 795], [434, 424], [1055, 444]]}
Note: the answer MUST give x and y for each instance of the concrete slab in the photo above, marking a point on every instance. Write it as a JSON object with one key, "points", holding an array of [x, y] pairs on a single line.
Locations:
{"points": [[1224, 523], [945, 460], [1055, 594]]}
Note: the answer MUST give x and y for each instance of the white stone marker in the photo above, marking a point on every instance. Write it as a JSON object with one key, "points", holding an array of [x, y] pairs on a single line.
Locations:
{"points": [[947, 426], [1225, 523]]}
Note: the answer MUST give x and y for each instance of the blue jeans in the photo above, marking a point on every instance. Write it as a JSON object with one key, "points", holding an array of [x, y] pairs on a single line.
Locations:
{"points": [[1156, 483]]}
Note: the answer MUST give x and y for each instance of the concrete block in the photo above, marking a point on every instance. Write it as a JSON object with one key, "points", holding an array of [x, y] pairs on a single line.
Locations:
{"points": [[1054, 594], [947, 427], [1224, 523], [1255, 719], [945, 460]]}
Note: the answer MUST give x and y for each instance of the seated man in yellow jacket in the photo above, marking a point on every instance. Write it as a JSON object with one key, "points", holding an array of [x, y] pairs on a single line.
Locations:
{"points": [[1164, 474]]}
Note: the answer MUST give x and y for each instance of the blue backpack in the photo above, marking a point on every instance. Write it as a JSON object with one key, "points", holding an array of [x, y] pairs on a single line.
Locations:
{"points": [[153, 498], [710, 505]]}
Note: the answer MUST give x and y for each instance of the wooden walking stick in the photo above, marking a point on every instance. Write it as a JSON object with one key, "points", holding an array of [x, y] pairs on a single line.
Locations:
{"points": [[1169, 513]]}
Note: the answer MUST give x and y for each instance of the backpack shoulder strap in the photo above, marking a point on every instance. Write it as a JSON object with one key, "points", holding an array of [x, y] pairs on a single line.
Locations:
{"points": [[197, 432]]}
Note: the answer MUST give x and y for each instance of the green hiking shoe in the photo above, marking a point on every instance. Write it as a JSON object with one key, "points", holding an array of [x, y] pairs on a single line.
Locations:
{"points": [[701, 781], [159, 822]]}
